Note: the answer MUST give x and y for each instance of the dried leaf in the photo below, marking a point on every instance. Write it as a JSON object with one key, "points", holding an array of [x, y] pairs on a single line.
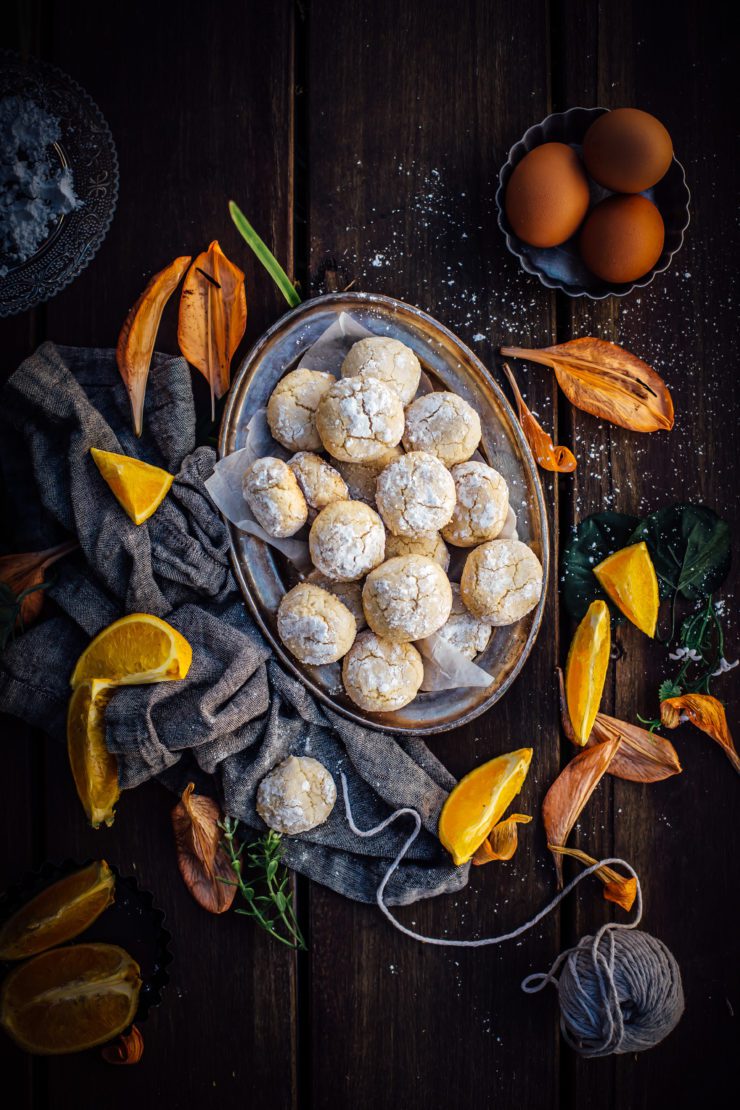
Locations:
{"points": [[213, 317], [139, 334], [24, 574], [503, 840], [571, 790], [607, 381], [617, 888], [549, 457], [200, 857], [127, 1048], [707, 714], [642, 756]]}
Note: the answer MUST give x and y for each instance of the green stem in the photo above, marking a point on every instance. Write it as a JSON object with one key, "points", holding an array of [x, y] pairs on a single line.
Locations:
{"points": [[265, 255]]}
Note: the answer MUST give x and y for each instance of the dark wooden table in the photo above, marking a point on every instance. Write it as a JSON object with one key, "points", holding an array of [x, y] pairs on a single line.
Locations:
{"points": [[364, 141]]}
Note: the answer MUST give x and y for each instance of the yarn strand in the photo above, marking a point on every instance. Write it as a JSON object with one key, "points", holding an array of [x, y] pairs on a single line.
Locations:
{"points": [[623, 999]]}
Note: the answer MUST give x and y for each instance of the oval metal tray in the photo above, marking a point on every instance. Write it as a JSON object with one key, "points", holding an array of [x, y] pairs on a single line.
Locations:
{"points": [[263, 573]]}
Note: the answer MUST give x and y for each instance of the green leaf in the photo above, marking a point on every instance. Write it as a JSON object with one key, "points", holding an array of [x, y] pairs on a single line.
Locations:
{"points": [[668, 689], [596, 537], [272, 868], [281, 901], [265, 255], [690, 549]]}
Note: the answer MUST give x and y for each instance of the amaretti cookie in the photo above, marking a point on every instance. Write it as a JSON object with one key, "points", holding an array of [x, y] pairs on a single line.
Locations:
{"points": [[314, 625], [381, 676], [415, 493], [297, 795], [501, 581], [444, 425], [291, 409], [359, 419], [274, 496], [347, 540], [406, 598], [481, 505], [320, 483], [429, 544], [466, 633], [390, 360]]}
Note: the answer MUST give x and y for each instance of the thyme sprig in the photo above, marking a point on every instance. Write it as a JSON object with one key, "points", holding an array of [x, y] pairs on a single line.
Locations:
{"points": [[263, 882]]}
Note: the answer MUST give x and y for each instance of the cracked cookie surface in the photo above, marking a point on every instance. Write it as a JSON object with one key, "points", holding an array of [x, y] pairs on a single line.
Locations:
{"points": [[274, 496], [320, 483], [297, 795], [415, 493], [406, 598], [381, 676], [501, 581], [291, 409], [429, 544], [443, 424], [315, 625], [390, 360], [467, 634], [347, 540], [349, 593], [359, 419], [481, 505]]}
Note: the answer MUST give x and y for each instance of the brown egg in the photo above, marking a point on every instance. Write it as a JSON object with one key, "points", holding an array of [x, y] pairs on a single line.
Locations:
{"points": [[622, 238], [547, 195], [627, 150]]}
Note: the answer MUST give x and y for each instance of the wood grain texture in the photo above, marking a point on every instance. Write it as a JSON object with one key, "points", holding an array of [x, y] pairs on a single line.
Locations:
{"points": [[679, 69], [405, 144]]}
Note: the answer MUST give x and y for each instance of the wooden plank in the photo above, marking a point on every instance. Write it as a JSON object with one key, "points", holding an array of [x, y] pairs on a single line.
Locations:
{"points": [[675, 833], [412, 110], [200, 102]]}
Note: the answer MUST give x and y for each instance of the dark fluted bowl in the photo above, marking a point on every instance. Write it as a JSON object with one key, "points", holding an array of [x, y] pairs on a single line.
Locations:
{"points": [[561, 267]]}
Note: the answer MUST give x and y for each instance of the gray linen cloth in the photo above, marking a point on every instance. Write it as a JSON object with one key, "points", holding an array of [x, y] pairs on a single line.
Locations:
{"points": [[237, 713]]}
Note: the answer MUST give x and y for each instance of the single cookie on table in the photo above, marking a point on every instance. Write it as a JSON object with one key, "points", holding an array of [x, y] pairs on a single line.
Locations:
{"points": [[390, 360], [406, 598], [501, 581], [296, 796], [429, 544], [349, 593], [291, 410], [362, 478], [347, 540], [444, 425], [481, 506], [359, 419], [467, 634], [320, 483], [274, 496], [381, 676], [315, 625], [415, 493]]}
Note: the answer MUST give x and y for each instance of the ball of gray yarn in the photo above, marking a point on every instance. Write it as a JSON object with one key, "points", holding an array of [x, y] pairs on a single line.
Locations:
{"points": [[623, 994]]}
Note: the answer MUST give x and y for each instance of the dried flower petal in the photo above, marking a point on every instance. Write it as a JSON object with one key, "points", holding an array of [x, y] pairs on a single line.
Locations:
{"points": [[139, 334], [213, 317], [202, 861], [617, 888], [642, 756], [607, 381], [707, 714], [502, 841], [571, 790], [27, 572], [548, 456], [127, 1048]]}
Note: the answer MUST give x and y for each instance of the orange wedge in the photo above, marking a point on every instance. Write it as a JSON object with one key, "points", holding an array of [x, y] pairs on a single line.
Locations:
{"points": [[94, 768], [479, 801], [135, 650], [139, 487], [628, 577], [61, 911], [585, 670], [70, 998]]}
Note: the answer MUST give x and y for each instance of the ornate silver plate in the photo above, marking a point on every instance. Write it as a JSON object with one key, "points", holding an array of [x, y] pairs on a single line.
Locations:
{"points": [[87, 146], [264, 574]]}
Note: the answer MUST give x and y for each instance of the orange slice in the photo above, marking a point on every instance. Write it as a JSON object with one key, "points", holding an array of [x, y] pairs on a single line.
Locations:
{"points": [[628, 577], [61, 911], [135, 650], [70, 998], [94, 768], [139, 487], [479, 801], [585, 671]]}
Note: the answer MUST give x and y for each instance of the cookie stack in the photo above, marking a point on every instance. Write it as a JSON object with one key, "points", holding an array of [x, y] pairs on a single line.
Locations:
{"points": [[400, 485]]}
